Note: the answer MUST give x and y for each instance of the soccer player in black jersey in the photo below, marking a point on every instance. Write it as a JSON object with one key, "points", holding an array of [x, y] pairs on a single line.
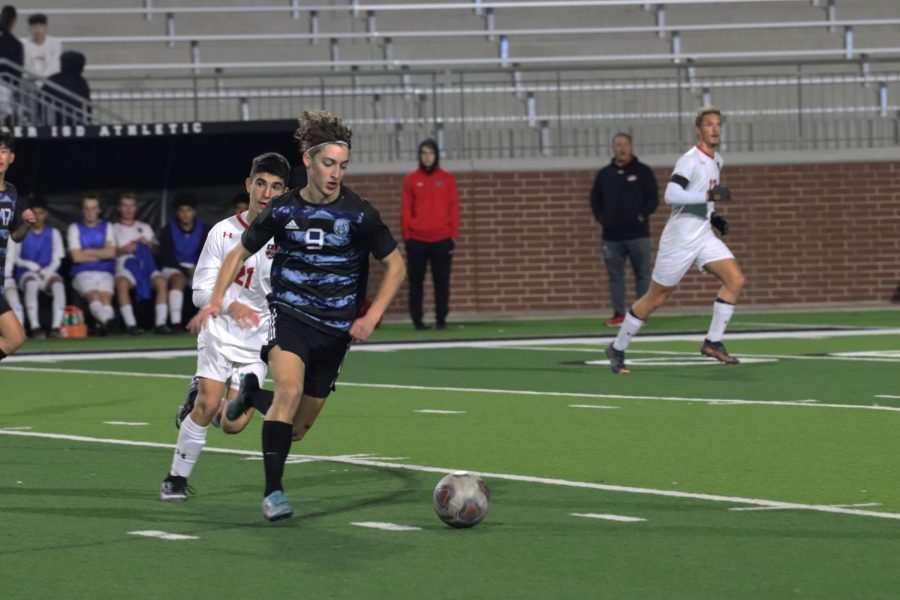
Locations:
{"points": [[324, 234], [14, 224]]}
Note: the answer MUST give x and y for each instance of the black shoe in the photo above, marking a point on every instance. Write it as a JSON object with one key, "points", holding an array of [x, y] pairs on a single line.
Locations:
{"points": [[242, 403], [440, 325], [174, 489], [717, 351], [134, 330], [188, 405], [616, 360], [38, 334], [162, 329], [421, 326], [55, 333]]}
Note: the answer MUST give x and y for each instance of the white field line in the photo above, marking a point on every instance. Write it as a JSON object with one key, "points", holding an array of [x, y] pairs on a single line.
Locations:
{"points": [[126, 423], [381, 347], [591, 406], [749, 508], [487, 475], [435, 411], [803, 402], [888, 396], [620, 518], [163, 535], [385, 526], [694, 355]]}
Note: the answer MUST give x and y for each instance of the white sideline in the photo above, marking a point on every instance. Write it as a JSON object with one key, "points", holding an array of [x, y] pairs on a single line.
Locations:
{"points": [[802, 402], [487, 475]]}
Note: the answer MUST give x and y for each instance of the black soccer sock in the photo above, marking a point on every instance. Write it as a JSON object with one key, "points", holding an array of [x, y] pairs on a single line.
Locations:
{"points": [[261, 399], [720, 301], [276, 444]]}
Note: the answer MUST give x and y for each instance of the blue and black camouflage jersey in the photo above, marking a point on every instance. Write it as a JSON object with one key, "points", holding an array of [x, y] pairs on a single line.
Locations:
{"points": [[322, 255], [10, 219]]}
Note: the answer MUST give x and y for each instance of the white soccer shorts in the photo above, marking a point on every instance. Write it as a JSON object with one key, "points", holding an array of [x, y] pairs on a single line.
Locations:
{"points": [[674, 260], [93, 281], [212, 364]]}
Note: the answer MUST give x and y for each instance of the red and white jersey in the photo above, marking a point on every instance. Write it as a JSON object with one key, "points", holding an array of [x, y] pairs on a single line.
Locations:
{"points": [[250, 287], [125, 234], [690, 221]]}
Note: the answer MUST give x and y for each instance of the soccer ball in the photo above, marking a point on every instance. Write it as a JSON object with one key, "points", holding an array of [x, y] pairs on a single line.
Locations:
{"points": [[461, 499]]}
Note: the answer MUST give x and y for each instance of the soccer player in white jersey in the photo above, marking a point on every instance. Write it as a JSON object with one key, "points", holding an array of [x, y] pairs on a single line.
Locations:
{"points": [[229, 345], [688, 240]]}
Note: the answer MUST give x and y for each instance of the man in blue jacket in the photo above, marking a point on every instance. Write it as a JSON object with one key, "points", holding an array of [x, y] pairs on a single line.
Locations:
{"points": [[623, 197]]}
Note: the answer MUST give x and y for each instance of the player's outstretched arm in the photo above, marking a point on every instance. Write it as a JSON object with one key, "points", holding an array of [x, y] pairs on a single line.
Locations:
{"points": [[394, 275], [230, 268]]}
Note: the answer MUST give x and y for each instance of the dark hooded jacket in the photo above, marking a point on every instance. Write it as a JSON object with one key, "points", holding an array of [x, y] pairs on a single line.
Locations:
{"points": [[71, 79]]}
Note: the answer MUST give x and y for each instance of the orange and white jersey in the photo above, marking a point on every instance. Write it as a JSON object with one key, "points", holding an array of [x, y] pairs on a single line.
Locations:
{"points": [[250, 287]]}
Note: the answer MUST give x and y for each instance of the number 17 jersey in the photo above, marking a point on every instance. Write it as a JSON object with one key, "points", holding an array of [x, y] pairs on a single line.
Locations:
{"points": [[250, 287]]}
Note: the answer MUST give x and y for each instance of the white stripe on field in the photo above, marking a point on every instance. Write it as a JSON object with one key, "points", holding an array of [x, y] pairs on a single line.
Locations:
{"points": [[388, 346], [486, 475], [591, 406], [435, 411], [888, 396], [620, 518], [21, 428], [128, 423], [163, 535], [749, 508], [805, 402], [385, 526]]}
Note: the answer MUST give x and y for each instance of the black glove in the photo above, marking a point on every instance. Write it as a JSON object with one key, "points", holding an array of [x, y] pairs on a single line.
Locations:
{"points": [[718, 193], [719, 222]]}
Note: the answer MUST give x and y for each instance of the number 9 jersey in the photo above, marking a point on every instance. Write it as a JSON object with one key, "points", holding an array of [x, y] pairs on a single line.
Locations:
{"points": [[250, 287]]}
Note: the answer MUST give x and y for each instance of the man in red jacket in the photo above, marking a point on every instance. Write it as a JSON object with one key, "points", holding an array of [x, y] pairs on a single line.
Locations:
{"points": [[430, 226]]}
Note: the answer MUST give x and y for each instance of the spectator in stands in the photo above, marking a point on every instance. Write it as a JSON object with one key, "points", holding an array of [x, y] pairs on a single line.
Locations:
{"points": [[430, 225], [11, 50], [42, 51], [36, 261], [92, 248], [136, 269], [180, 243], [623, 197], [73, 107]]}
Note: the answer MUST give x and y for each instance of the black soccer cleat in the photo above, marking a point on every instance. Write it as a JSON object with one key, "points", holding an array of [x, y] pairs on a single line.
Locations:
{"points": [[616, 360], [717, 351], [188, 405], [174, 489], [242, 403]]}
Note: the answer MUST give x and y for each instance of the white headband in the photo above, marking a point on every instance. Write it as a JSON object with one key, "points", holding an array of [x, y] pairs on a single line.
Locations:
{"points": [[342, 143]]}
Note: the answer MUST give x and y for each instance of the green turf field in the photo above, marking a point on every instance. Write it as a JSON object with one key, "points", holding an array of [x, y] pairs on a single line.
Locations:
{"points": [[777, 478]]}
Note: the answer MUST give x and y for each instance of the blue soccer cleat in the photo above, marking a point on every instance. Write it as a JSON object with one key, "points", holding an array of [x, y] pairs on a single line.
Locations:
{"points": [[275, 506]]}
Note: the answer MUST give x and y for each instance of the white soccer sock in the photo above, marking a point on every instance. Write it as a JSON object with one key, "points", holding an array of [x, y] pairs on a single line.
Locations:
{"points": [[58, 290], [12, 296], [107, 312], [97, 311], [629, 328], [176, 302], [191, 439], [31, 303], [162, 313], [128, 315], [722, 312]]}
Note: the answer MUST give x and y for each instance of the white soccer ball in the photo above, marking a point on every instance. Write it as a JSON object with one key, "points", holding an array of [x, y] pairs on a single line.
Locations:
{"points": [[461, 499]]}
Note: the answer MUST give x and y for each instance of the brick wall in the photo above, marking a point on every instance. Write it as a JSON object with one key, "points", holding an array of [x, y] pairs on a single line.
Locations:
{"points": [[806, 233]]}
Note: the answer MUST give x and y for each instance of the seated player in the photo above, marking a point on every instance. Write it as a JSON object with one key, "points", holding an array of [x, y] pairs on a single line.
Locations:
{"points": [[36, 263], [136, 267], [10, 290], [227, 347], [93, 252], [180, 244]]}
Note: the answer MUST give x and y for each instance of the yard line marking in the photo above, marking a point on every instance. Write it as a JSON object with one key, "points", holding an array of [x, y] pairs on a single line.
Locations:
{"points": [[434, 411], [803, 402], [163, 535], [887, 396], [128, 423], [385, 526], [591, 406], [487, 475], [620, 518], [749, 508]]}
